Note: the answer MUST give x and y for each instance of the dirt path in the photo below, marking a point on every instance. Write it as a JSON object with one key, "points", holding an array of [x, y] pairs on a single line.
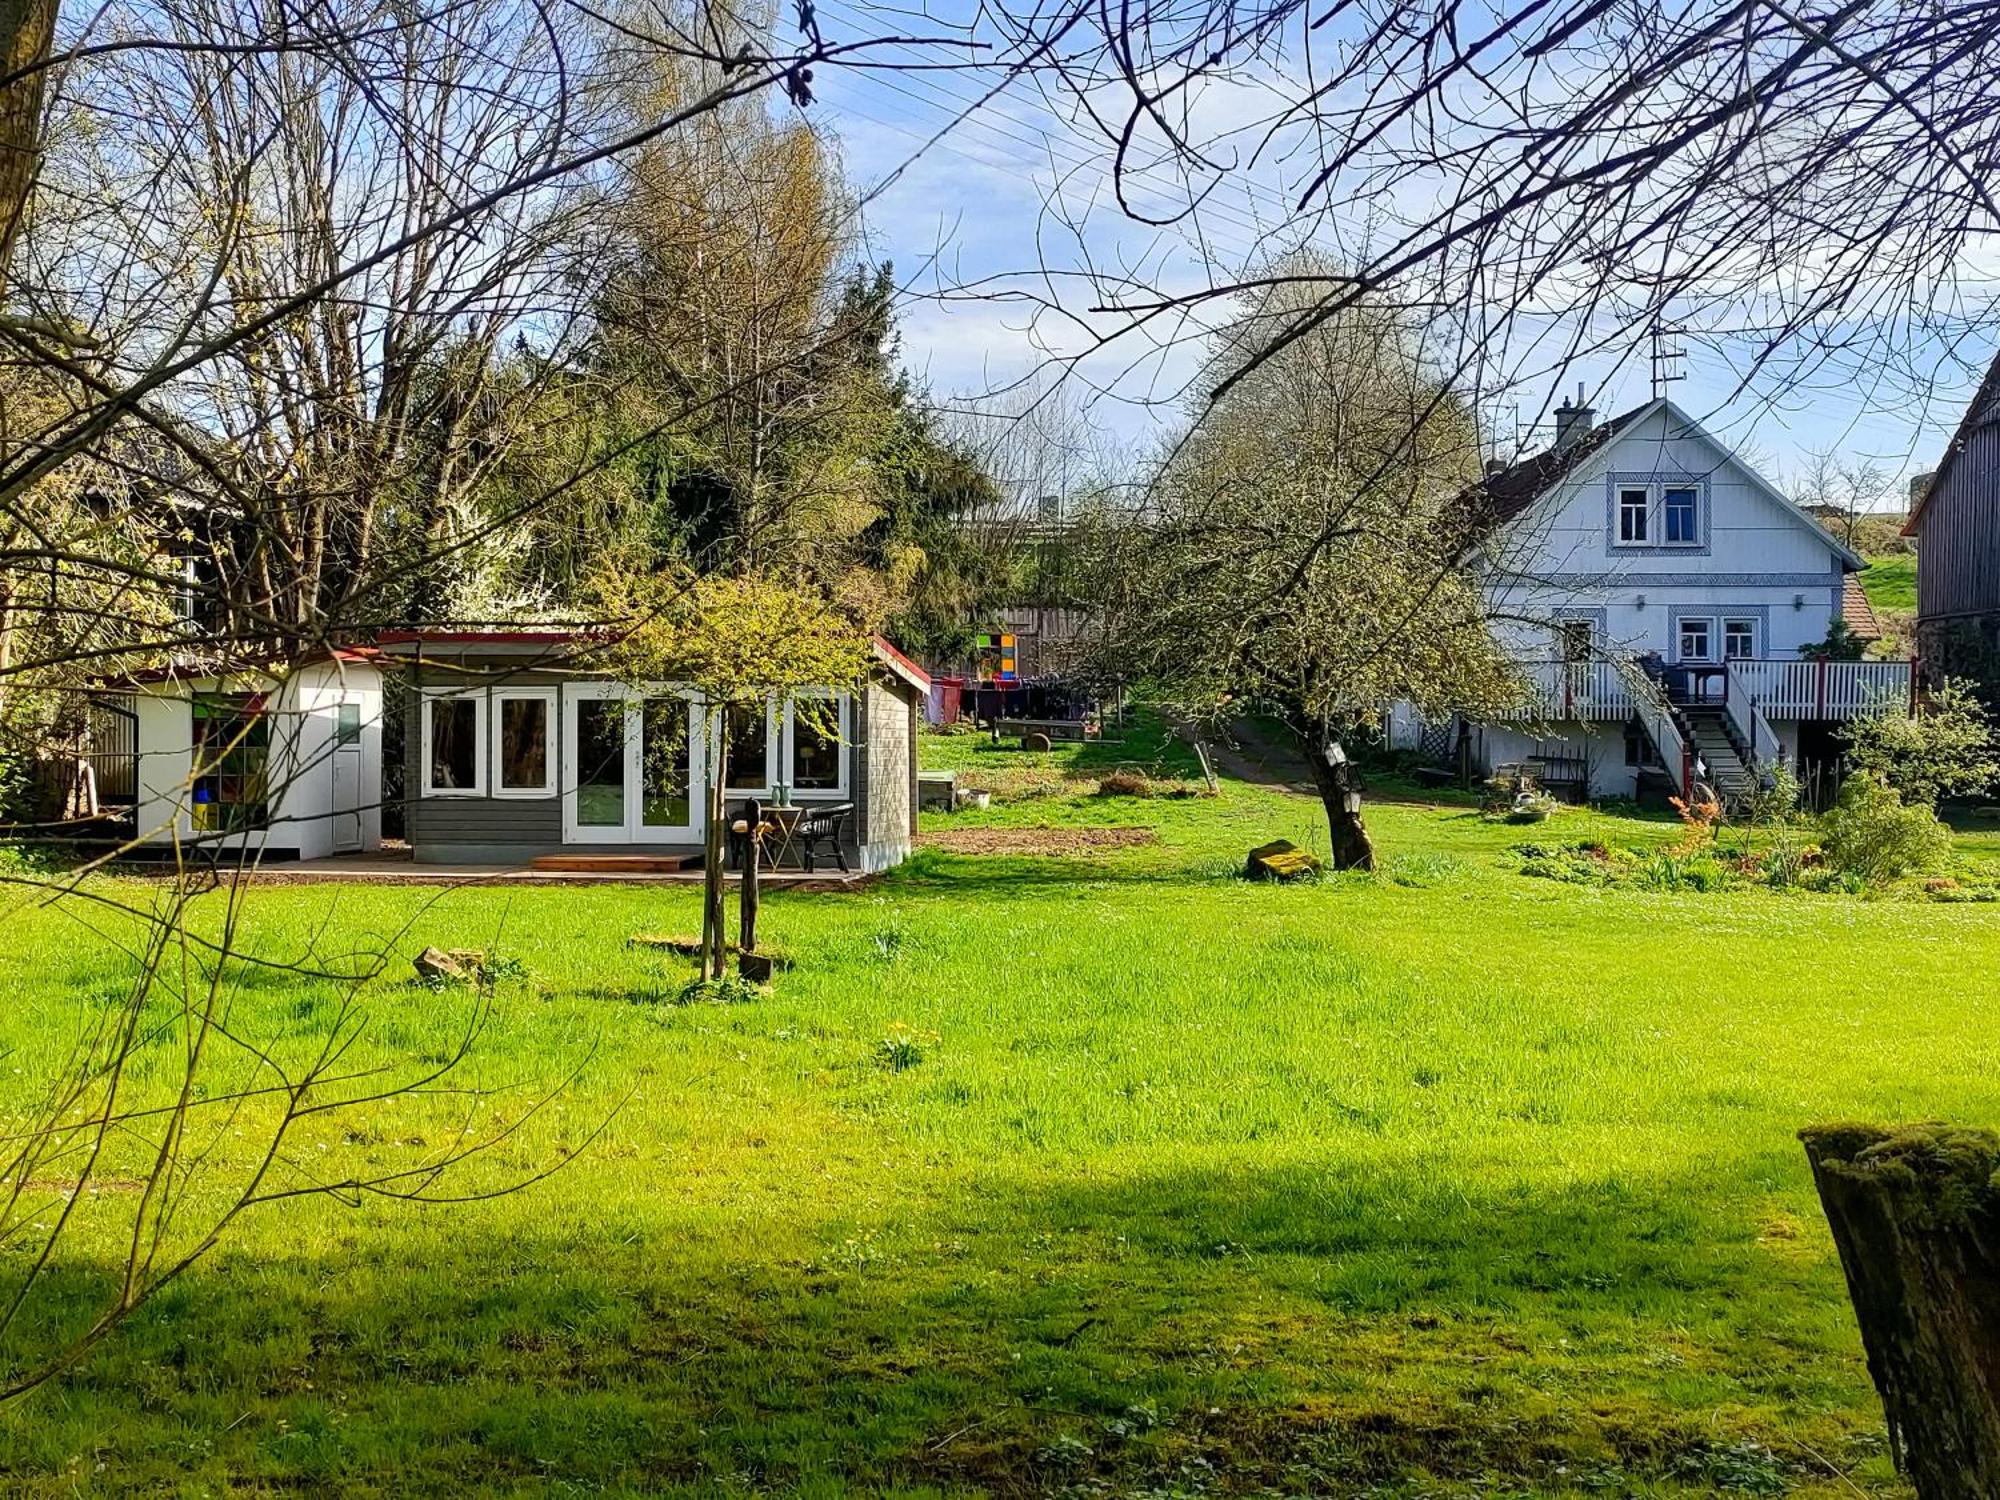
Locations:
{"points": [[1034, 840], [1244, 755], [1276, 764]]}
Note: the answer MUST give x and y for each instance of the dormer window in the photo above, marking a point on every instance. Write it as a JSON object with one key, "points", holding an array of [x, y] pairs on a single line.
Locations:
{"points": [[1656, 515]]}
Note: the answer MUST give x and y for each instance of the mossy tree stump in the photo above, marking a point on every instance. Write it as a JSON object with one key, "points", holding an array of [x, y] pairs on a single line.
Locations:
{"points": [[1915, 1213]]}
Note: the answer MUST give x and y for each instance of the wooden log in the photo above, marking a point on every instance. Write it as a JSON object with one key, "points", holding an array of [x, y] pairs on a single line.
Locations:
{"points": [[1915, 1213]]}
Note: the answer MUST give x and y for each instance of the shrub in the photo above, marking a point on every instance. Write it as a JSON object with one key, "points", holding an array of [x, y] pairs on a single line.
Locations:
{"points": [[1953, 891], [1698, 820], [1946, 750], [1872, 834], [1423, 870], [1787, 865], [20, 862], [1842, 643], [1682, 872], [1573, 864], [1773, 804]]}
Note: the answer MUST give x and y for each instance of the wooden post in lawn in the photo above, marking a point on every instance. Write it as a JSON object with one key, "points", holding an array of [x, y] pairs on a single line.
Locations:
{"points": [[753, 857], [1915, 1214], [712, 847]]}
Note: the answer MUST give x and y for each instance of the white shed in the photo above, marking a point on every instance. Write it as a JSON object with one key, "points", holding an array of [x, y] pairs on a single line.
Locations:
{"points": [[285, 764]]}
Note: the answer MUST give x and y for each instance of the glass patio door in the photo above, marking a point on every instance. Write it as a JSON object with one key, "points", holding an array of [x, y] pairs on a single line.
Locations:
{"points": [[631, 767], [669, 801]]}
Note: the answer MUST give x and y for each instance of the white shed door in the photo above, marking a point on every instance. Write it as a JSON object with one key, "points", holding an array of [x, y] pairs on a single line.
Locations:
{"points": [[346, 806]]}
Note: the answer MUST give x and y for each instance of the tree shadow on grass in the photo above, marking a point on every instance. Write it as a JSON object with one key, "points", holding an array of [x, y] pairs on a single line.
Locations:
{"points": [[1316, 1329], [980, 874]]}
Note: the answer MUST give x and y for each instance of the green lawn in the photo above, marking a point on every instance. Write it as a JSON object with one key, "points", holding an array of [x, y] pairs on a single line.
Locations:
{"points": [[1443, 1183], [1891, 582]]}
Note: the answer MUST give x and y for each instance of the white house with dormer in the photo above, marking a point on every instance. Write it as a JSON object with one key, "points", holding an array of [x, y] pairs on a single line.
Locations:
{"points": [[1663, 599]]}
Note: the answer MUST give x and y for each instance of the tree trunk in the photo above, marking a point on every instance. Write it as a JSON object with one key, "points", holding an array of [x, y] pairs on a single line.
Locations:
{"points": [[1915, 1215], [27, 30], [1340, 793]]}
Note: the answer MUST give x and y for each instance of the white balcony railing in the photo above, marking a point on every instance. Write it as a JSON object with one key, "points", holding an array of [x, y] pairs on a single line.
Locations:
{"points": [[1824, 689], [1780, 689], [1573, 690]]}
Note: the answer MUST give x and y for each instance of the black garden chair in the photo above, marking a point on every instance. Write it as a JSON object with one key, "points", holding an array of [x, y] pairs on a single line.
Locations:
{"points": [[813, 828]]}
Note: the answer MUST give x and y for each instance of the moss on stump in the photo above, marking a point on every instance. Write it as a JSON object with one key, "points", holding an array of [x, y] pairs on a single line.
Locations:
{"points": [[1915, 1213]]}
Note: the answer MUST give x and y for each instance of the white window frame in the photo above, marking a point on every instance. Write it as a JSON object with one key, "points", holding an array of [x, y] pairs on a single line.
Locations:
{"points": [[773, 727], [788, 760], [1694, 517], [1653, 517], [550, 740], [1643, 511], [1750, 628], [477, 696], [1707, 622]]}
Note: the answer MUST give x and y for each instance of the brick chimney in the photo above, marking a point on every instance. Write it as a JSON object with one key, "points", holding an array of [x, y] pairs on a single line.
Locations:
{"points": [[1573, 421]]}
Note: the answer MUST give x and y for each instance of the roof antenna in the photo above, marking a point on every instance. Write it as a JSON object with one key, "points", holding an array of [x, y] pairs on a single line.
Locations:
{"points": [[1667, 357]]}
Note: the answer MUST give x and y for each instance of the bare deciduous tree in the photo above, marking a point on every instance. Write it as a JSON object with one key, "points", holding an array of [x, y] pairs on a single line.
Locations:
{"points": [[1299, 546]]}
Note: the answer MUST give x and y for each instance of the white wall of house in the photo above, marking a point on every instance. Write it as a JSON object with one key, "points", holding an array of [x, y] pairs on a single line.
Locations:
{"points": [[325, 781], [1599, 743], [1752, 557]]}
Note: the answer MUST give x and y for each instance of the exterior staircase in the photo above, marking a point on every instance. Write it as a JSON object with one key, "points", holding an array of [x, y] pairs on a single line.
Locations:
{"points": [[1709, 736]]}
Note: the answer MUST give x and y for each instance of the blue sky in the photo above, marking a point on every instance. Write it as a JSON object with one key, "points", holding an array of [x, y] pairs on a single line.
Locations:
{"points": [[1014, 203]]}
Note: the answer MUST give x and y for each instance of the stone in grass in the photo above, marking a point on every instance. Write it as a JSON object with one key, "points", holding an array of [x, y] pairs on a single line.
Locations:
{"points": [[1281, 859], [458, 963]]}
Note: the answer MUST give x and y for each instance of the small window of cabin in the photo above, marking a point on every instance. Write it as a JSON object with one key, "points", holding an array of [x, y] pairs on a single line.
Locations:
{"points": [[454, 730], [817, 725], [749, 747], [523, 764]]}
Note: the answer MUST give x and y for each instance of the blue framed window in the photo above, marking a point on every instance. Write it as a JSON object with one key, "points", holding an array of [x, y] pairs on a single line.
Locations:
{"points": [[1677, 509]]}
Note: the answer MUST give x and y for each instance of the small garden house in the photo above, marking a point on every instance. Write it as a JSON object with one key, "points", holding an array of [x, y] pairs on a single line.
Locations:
{"points": [[513, 752], [277, 765]]}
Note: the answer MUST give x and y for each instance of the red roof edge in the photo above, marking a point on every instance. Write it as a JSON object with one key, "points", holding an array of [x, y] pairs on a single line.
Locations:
{"points": [[902, 666], [477, 637], [885, 653], [195, 671]]}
